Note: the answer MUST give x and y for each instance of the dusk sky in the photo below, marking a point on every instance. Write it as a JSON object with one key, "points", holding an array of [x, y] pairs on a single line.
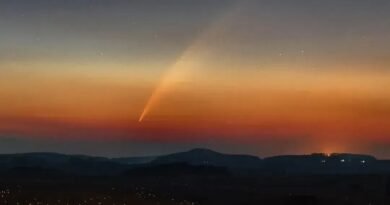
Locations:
{"points": [[145, 77]]}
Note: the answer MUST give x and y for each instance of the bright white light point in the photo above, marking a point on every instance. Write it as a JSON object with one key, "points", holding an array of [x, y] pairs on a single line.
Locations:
{"points": [[363, 161], [343, 160]]}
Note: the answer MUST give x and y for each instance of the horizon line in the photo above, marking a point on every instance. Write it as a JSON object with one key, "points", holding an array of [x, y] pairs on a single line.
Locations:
{"points": [[188, 150]]}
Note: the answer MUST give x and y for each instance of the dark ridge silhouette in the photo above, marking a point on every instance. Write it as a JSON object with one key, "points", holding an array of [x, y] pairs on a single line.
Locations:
{"points": [[318, 163], [73, 164], [209, 157]]}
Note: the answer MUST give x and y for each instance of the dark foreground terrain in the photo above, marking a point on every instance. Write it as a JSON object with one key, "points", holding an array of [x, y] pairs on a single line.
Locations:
{"points": [[299, 190], [195, 177]]}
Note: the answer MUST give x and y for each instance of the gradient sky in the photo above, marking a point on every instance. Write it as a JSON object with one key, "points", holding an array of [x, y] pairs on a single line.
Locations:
{"points": [[143, 77]]}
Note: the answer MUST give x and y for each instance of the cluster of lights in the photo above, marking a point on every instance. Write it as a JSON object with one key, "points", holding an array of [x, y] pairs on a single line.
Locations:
{"points": [[7, 197], [343, 161]]}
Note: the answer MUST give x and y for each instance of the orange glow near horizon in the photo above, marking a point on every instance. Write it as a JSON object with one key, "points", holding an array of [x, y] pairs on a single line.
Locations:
{"points": [[274, 103]]}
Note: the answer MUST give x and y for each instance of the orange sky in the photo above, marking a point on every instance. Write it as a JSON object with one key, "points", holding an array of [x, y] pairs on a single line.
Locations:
{"points": [[282, 103]]}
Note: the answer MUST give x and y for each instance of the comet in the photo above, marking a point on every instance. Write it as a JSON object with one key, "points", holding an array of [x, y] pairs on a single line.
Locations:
{"points": [[178, 71], [190, 60], [166, 82]]}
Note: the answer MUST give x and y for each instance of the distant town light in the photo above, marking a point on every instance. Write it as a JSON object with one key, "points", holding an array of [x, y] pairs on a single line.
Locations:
{"points": [[342, 160], [363, 161]]}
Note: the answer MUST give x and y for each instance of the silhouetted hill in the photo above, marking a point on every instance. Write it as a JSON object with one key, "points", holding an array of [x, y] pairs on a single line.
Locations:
{"points": [[208, 157], [243, 164], [72, 164]]}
